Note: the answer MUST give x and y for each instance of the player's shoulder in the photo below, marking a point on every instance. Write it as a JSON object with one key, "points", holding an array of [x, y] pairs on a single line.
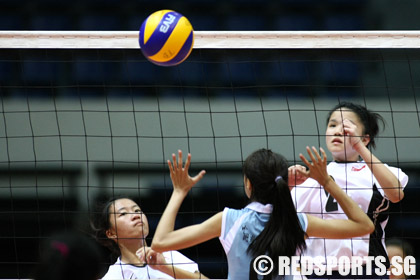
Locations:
{"points": [[231, 212]]}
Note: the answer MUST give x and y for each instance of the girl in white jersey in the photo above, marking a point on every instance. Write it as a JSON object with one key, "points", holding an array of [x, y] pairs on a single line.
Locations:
{"points": [[351, 131], [269, 225], [123, 227]]}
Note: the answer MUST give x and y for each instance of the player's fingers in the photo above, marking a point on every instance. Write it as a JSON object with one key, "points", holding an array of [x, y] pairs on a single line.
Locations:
{"points": [[187, 163], [299, 174], [305, 161], [348, 122], [291, 171], [171, 169], [199, 176], [175, 165], [141, 254], [179, 159], [301, 171], [150, 254], [310, 154], [318, 157], [324, 155]]}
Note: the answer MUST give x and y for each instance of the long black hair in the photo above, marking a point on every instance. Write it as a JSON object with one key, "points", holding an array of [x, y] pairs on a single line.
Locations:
{"points": [[100, 223], [283, 234], [369, 119]]}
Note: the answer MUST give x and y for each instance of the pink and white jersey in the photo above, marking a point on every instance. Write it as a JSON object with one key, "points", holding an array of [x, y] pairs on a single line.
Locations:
{"points": [[358, 182]]}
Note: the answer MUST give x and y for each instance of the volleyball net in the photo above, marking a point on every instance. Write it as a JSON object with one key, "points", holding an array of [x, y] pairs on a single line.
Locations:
{"points": [[85, 116]]}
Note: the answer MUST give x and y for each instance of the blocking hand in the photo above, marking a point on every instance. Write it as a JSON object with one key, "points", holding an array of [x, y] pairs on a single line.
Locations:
{"points": [[181, 180]]}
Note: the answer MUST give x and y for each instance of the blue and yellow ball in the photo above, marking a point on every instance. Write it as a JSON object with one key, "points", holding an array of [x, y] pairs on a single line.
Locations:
{"points": [[166, 38]]}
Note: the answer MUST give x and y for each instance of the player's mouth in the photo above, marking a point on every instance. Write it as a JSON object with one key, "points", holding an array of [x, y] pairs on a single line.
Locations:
{"points": [[139, 223], [337, 141]]}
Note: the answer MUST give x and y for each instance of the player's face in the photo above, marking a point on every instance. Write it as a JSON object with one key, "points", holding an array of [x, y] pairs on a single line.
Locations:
{"points": [[127, 220], [337, 142]]}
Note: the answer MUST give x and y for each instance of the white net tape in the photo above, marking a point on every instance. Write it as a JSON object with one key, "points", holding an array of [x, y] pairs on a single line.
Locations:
{"points": [[215, 39]]}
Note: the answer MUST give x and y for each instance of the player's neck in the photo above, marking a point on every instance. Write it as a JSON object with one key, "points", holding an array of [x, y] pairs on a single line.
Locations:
{"points": [[347, 158], [128, 252]]}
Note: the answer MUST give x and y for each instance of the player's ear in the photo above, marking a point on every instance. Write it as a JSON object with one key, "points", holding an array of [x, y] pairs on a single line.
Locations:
{"points": [[366, 139], [110, 234], [248, 187]]}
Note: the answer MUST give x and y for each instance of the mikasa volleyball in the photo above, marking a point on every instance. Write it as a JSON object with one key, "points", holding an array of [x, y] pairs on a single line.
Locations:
{"points": [[166, 38]]}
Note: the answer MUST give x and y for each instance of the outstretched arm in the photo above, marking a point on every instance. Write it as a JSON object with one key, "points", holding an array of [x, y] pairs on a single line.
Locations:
{"points": [[358, 222], [166, 238]]}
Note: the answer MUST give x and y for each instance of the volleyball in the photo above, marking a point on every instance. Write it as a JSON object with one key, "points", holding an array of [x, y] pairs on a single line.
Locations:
{"points": [[166, 38]]}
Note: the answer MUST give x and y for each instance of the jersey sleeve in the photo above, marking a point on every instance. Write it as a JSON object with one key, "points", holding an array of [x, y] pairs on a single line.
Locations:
{"points": [[402, 177], [224, 232]]}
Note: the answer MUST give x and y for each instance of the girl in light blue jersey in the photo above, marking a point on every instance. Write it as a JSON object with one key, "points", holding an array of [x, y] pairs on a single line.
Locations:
{"points": [[269, 225]]}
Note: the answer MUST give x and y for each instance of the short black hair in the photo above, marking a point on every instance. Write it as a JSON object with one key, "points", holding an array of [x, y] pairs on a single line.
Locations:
{"points": [[369, 119]]}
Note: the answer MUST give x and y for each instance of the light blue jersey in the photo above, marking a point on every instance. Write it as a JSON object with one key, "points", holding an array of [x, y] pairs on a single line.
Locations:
{"points": [[239, 228]]}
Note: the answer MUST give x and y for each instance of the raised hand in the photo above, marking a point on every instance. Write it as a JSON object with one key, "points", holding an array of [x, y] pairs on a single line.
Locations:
{"points": [[318, 166], [154, 259], [181, 180], [297, 174], [350, 131]]}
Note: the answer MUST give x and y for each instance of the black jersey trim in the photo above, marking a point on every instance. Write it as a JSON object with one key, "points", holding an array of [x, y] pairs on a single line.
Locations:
{"points": [[378, 212]]}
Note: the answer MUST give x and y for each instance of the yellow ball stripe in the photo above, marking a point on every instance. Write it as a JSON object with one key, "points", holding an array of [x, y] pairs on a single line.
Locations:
{"points": [[175, 41], [152, 22]]}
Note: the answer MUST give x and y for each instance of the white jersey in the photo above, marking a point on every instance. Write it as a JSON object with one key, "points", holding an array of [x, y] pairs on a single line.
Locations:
{"points": [[357, 180], [120, 270]]}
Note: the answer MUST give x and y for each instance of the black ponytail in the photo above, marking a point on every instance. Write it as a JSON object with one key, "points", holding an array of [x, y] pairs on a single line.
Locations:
{"points": [[283, 234]]}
